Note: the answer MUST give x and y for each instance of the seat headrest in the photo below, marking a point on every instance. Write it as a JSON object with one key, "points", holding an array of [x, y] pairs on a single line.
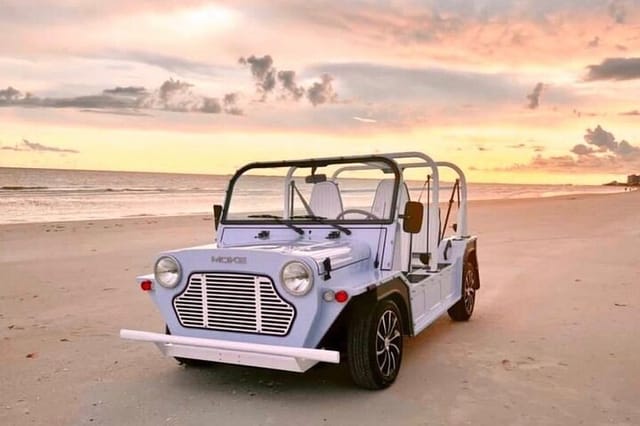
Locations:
{"points": [[384, 198], [325, 200]]}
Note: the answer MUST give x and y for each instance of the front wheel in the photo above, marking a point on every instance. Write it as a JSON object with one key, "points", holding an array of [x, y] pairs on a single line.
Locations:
{"points": [[374, 345], [463, 309]]}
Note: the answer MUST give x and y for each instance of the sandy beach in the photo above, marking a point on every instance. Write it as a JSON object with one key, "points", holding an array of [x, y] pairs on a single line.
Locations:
{"points": [[554, 339]]}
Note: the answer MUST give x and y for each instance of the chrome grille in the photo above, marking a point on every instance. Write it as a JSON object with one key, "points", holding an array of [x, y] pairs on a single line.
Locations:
{"points": [[233, 302]]}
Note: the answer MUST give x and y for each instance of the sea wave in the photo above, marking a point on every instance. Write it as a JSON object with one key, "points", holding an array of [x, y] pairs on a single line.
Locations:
{"points": [[21, 188], [95, 190]]}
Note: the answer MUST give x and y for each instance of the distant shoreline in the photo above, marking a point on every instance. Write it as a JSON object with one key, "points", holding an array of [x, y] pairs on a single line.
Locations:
{"points": [[621, 184]]}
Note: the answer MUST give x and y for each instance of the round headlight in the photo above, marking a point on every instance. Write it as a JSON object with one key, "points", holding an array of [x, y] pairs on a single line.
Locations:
{"points": [[167, 272], [297, 278]]}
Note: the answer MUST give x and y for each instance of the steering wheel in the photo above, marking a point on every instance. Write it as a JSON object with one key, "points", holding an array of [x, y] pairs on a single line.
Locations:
{"points": [[365, 213]]}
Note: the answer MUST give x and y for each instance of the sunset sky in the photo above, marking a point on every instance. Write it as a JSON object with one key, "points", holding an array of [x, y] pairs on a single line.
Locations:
{"points": [[541, 91]]}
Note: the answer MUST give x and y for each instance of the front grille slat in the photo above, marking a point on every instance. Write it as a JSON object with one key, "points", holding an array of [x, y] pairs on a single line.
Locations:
{"points": [[233, 302]]}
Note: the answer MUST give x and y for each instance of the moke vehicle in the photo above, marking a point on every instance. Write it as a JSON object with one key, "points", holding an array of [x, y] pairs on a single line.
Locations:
{"points": [[320, 260]]}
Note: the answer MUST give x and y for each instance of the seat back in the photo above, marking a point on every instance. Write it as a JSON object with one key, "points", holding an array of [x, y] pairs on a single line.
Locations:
{"points": [[325, 200], [381, 208], [384, 196]]}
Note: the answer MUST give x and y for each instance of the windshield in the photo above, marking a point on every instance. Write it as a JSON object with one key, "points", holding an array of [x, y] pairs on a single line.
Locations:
{"points": [[336, 192]]}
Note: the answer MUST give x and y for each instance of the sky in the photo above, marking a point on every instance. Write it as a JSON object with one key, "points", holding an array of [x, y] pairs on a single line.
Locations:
{"points": [[544, 91]]}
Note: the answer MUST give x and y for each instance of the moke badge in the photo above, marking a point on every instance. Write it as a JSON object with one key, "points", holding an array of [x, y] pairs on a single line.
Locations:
{"points": [[229, 259]]}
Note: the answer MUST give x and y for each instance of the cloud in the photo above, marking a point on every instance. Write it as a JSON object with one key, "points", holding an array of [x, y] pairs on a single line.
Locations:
{"points": [[601, 152], [211, 106], [230, 102], [171, 88], [178, 96], [263, 73], [615, 69], [35, 146], [617, 11], [13, 97], [582, 149], [91, 101], [172, 95], [605, 141], [10, 94], [11, 148], [173, 64], [365, 120], [633, 112], [594, 43], [267, 77], [126, 91], [534, 97], [585, 113], [482, 149], [291, 88], [534, 148], [625, 149], [322, 92]]}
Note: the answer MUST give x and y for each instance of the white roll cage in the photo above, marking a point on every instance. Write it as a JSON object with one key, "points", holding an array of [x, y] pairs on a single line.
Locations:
{"points": [[433, 201]]}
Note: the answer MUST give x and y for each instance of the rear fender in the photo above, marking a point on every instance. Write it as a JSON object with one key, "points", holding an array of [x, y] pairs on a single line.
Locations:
{"points": [[471, 255]]}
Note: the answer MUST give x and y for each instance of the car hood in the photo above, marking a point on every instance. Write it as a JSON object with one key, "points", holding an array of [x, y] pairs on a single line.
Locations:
{"points": [[341, 253]]}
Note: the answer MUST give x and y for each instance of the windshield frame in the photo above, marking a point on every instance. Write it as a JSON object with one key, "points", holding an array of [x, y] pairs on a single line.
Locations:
{"points": [[310, 163]]}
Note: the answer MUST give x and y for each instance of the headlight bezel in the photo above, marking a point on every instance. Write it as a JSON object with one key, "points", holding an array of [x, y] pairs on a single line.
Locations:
{"points": [[309, 272], [178, 272]]}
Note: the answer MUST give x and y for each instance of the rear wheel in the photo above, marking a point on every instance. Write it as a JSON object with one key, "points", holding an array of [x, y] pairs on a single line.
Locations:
{"points": [[463, 309], [188, 362], [374, 345]]}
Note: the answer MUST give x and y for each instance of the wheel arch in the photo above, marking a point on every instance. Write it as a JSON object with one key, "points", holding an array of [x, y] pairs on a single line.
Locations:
{"points": [[397, 291], [394, 289], [471, 255]]}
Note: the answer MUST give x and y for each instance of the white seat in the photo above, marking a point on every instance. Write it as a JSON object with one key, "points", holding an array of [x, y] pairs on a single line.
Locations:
{"points": [[384, 196], [325, 200], [381, 208]]}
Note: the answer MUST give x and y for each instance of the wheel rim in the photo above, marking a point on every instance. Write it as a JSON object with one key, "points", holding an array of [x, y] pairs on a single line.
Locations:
{"points": [[469, 290], [388, 343]]}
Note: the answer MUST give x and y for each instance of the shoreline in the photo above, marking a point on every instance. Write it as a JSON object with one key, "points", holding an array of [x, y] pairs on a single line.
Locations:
{"points": [[204, 214]]}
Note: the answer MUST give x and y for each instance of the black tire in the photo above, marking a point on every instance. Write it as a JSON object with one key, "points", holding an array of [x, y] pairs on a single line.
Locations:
{"points": [[374, 345], [463, 309], [188, 362]]}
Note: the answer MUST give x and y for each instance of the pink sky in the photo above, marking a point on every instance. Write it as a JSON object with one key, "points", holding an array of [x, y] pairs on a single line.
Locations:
{"points": [[526, 91]]}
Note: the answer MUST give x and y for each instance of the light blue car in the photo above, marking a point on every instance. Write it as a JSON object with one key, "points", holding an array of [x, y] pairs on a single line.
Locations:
{"points": [[320, 260]]}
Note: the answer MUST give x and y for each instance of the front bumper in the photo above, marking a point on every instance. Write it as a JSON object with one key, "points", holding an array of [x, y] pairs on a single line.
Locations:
{"points": [[252, 354]]}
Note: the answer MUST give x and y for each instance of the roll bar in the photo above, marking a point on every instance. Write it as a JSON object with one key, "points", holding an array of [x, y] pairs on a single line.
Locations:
{"points": [[389, 162]]}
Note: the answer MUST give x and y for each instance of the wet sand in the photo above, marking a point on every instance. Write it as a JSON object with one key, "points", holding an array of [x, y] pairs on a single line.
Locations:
{"points": [[554, 339]]}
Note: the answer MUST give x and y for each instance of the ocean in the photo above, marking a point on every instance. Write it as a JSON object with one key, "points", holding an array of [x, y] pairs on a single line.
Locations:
{"points": [[47, 195]]}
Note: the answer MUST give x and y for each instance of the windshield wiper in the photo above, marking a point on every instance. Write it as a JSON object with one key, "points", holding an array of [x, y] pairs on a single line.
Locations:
{"points": [[278, 220], [322, 220]]}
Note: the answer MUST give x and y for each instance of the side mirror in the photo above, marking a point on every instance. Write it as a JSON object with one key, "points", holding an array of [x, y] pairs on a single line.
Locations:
{"points": [[412, 217], [217, 214]]}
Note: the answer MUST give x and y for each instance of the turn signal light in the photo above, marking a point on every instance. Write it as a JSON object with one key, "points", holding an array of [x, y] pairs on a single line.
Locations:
{"points": [[341, 296], [146, 285]]}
